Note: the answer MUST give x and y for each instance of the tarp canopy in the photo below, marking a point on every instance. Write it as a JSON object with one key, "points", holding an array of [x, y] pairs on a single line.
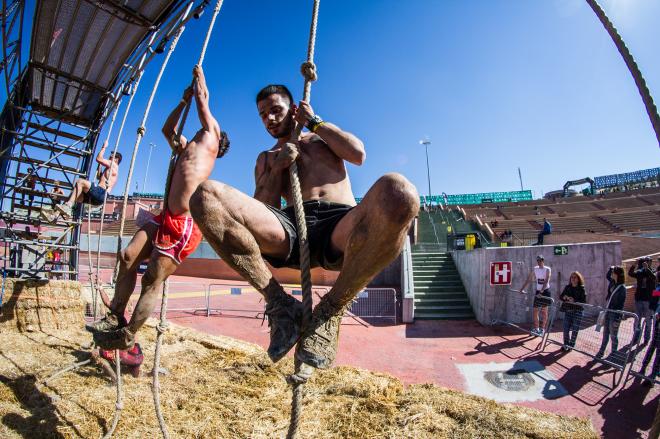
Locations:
{"points": [[78, 49]]}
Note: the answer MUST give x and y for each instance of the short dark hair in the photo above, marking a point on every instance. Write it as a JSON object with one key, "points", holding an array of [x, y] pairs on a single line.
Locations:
{"points": [[621, 274], [272, 89], [224, 144]]}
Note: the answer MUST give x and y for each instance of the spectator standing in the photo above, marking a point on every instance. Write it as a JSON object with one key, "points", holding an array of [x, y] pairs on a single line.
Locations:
{"points": [[655, 346], [645, 286], [541, 275], [572, 297], [547, 230], [616, 298]]}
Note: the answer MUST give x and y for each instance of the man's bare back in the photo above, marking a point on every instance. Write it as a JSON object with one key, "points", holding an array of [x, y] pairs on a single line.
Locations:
{"points": [[197, 156]]}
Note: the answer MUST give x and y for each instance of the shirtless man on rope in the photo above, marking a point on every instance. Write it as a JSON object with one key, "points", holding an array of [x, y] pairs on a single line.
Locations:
{"points": [[171, 236], [359, 241], [84, 191]]}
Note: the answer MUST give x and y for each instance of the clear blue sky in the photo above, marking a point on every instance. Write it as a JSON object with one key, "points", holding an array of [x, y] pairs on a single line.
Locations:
{"points": [[494, 84]]}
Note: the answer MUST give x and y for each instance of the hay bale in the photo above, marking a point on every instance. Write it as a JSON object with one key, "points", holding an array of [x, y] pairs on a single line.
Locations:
{"points": [[222, 388], [41, 305]]}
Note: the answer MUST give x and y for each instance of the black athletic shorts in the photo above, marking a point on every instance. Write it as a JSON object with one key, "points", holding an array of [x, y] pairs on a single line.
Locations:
{"points": [[95, 196], [539, 301], [321, 217]]}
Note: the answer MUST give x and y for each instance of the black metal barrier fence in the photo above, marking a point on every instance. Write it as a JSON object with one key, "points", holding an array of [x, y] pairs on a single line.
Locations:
{"points": [[613, 337]]}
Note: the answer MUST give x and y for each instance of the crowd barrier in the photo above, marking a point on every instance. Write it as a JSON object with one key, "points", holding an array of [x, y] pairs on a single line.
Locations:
{"points": [[516, 311], [612, 337], [374, 303], [603, 334]]}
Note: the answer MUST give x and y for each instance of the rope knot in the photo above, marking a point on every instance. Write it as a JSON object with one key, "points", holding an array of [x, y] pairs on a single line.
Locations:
{"points": [[141, 131], [162, 327], [302, 374], [119, 406], [308, 70]]}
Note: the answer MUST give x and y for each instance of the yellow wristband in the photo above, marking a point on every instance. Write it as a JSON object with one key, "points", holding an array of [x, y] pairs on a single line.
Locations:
{"points": [[315, 127]]}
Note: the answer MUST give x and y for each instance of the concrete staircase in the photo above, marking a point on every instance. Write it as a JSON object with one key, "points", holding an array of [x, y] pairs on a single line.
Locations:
{"points": [[439, 292]]}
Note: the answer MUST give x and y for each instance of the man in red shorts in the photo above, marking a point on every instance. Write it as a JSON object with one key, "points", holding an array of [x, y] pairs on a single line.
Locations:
{"points": [[171, 236]]}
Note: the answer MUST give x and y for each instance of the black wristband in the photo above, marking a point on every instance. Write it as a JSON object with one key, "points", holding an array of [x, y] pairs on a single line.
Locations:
{"points": [[314, 122]]}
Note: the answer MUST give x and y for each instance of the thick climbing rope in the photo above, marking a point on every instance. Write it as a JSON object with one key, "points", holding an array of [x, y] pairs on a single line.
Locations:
{"points": [[162, 326], [94, 279], [140, 134], [303, 371], [119, 403]]}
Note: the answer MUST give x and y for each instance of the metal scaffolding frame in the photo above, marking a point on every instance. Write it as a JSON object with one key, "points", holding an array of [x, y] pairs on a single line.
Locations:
{"points": [[57, 103]]}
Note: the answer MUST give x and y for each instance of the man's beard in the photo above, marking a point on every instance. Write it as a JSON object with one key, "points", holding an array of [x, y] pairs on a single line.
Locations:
{"points": [[285, 129]]}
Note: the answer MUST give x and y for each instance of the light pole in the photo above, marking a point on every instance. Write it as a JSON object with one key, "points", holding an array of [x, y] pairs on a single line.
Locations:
{"points": [[426, 142], [146, 174]]}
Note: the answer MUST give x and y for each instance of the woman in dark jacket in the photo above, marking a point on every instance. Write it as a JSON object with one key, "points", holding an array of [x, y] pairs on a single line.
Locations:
{"points": [[572, 296], [616, 298]]}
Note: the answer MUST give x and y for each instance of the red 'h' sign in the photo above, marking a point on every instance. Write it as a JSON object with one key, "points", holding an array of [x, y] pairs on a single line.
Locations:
{"points": [[500, 273]]}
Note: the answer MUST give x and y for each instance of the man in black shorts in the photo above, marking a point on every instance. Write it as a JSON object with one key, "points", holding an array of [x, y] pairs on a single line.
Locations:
{"points": [[357, 240], [87, 192], [540, 275]]}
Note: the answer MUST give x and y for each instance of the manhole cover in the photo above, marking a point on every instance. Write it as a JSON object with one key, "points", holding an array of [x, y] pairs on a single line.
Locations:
{"points": [[514, 380]]}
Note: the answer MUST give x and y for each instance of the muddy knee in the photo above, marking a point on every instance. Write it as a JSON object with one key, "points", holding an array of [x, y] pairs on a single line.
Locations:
{"points": [[207, 198], [128, 258], [400, 198]]}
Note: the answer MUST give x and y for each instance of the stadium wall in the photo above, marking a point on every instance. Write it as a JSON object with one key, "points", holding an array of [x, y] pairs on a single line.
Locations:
{"points": [[591, 259], [205, 263]]}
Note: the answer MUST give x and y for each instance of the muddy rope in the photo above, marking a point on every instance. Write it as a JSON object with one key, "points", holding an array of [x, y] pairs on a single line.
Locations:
{"points": [[163, 324], [302, 371]]}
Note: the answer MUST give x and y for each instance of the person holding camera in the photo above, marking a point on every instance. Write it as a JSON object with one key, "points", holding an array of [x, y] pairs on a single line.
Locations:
{"points": [[616, 298], [645, 286], [573, 295]]}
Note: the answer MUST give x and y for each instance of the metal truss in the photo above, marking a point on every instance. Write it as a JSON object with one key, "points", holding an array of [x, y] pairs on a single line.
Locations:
{"points": [[44, 144]]}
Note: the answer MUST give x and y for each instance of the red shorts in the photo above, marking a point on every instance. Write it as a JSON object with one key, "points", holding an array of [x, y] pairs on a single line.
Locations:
{"points": [[177, 237]]}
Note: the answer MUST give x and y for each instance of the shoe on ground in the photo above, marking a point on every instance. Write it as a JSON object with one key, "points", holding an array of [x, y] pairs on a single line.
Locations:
{"points": [[600, 354], [110, 322], [318, 344], [285, 320], [65, 210], [115, 339], [565, 348], [535, 332]]}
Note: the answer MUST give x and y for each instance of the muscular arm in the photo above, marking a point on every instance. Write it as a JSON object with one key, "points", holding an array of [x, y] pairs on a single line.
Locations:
{"points": [[268, 183], [344, 144], [209, 123], [172, 125], [99, 157]]}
